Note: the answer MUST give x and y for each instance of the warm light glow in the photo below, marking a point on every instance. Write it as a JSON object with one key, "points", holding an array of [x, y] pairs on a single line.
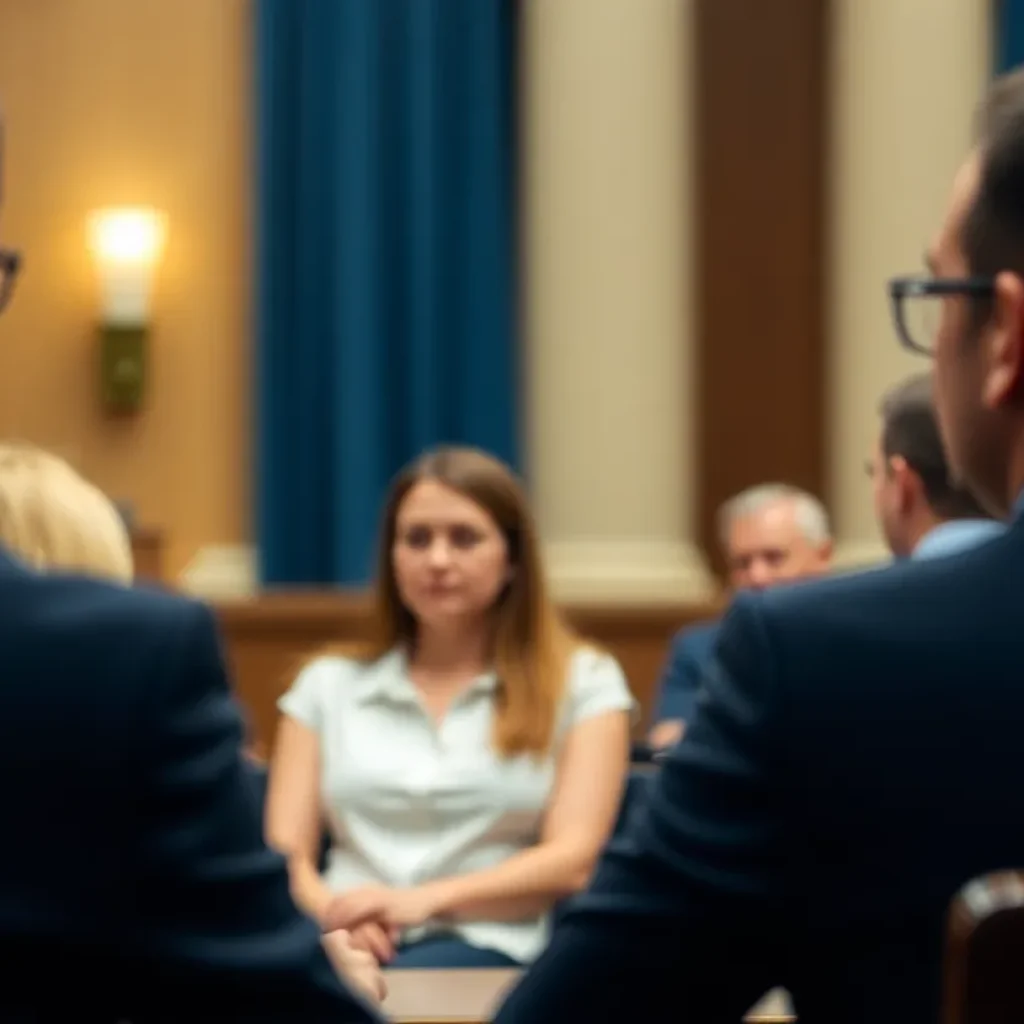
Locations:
{"points": [[126, 244], [127, 235]]}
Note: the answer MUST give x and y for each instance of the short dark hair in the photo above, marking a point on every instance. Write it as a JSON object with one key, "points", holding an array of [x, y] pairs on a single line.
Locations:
{"points": [[993, 230], [910, 429]]}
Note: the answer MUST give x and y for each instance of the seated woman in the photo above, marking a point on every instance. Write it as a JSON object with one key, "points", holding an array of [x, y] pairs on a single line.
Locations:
{"points": [[53, 519], [470, 766]]}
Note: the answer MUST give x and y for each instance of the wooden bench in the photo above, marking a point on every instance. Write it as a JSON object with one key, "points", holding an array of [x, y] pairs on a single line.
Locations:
{"points": [[984, 971]]}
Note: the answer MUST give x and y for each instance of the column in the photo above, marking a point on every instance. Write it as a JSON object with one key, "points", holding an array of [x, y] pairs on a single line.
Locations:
{"points": [[907, 75], [608, 268]]}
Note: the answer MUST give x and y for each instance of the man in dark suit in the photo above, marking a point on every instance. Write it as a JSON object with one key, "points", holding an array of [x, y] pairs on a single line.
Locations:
{"points": [[134, 880], [772, 533], [856, 753]]}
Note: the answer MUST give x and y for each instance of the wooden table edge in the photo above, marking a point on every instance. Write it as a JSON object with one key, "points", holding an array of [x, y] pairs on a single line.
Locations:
{"points": [[761, 1018]]}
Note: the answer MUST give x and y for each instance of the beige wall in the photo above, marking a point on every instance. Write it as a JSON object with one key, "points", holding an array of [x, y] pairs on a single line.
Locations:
{"points": [[607, 114], [907, 77], [110, 102]]}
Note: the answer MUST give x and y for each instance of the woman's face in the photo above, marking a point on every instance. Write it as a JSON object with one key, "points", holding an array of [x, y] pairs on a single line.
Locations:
{"points": [[449, 556]]}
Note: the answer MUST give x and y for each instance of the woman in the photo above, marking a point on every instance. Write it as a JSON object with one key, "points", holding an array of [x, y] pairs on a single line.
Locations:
{"points": [[53, 519], [470, 766]]}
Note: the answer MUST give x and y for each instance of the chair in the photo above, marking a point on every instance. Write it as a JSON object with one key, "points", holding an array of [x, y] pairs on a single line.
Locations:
{"points": [[984, 969], [642, 752]]}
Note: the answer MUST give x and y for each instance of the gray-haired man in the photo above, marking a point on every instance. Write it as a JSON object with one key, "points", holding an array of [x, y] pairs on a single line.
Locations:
{"points": [[772, 533]]}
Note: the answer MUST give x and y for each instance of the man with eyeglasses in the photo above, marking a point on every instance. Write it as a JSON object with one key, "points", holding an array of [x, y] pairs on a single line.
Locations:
{"points": [[922, 511], [856, 757], [134, 880]]}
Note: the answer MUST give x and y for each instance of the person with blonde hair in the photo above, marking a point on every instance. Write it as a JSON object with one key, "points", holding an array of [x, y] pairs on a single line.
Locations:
{"points": [[133, 853], [54, 519], [471, 762]]}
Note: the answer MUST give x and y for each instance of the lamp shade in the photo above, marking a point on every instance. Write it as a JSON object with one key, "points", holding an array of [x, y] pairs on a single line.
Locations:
{"points": [[126, 244]]}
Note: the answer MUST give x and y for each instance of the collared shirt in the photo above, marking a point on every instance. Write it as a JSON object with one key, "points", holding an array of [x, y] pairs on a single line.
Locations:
{"points": [[956, 535], [409, 800]]}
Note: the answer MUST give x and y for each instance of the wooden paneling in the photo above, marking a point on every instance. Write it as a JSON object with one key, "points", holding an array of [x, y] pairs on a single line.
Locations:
{"points": [[148, 554], [269, 637], [760, 209]]}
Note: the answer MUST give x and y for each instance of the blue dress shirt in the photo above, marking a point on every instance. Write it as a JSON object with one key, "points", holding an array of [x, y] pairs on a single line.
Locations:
{"points": [[957, 535]]}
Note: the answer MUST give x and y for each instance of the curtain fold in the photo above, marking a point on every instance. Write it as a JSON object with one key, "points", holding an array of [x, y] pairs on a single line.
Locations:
{"points": [[386, 261], [1009, 34]]}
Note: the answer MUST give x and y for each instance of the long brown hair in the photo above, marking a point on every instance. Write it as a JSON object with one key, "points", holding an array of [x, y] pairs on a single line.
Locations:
{"points": [[532, 644]]}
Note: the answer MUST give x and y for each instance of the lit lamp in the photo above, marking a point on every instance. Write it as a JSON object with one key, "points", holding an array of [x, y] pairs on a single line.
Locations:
{"points": [[126, 244]]}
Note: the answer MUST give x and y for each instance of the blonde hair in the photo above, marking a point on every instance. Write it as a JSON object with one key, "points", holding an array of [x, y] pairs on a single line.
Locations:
{"points": [[532, 644], [52, 518]]}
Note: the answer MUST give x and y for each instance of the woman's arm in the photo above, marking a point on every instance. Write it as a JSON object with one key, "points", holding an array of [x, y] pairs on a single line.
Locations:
{"points": [[590, 777], [293, 820]]}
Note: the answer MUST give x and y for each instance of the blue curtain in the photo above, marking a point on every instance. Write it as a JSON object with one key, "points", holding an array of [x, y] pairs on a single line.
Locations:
{"points": [[1009, 34], [386, 261]]}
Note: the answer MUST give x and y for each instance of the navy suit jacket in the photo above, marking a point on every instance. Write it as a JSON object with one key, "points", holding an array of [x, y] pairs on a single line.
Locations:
{"points": [[134, 880], [855, 758], [680, 678]]}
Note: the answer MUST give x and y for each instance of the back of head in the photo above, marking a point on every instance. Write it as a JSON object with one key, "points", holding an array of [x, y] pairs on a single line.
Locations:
{"points": [[993, 231], [979, 362], [52, 518], [910, 429]]}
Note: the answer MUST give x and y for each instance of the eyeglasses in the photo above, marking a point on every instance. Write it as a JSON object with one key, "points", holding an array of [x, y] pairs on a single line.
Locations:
{"points": [[10, 264], [916, 305]]}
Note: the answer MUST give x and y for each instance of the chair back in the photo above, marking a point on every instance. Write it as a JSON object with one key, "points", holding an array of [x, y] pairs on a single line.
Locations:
{"points": [[984, 969]]}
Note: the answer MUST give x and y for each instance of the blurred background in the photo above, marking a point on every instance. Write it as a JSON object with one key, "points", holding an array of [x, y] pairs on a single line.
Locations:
{"points": [[637, 248]]}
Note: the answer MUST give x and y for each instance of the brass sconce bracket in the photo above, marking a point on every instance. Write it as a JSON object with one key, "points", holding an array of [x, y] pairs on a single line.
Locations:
{"points": [[123, 368]]}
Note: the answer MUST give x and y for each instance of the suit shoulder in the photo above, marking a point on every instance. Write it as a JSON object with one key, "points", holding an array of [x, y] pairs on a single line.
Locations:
{"points": [[77, 609], [697, 637], [139, 606], [103, 659], [882, 597]]}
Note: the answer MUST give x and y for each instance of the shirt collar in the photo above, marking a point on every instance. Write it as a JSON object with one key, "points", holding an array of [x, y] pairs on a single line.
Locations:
{"points": [[387, 681], [956, 535]]}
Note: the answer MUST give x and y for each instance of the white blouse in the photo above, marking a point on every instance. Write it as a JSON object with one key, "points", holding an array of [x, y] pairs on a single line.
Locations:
{"points": [[409, 800]]}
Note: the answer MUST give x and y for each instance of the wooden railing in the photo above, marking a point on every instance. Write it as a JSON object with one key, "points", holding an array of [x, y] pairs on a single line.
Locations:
{"points": [[269, 637], [148, 554]]}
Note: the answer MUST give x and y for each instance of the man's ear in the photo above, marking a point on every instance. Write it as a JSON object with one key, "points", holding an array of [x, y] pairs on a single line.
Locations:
{"points": [[1004, 342], [906, 482]]}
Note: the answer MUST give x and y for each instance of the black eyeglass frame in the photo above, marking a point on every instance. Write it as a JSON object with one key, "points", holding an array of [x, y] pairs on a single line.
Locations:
{"points": [[922, 286], [10, 265]]}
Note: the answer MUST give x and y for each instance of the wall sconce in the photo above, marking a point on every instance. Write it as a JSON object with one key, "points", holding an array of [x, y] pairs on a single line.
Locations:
{"points": [[126, 244]]}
